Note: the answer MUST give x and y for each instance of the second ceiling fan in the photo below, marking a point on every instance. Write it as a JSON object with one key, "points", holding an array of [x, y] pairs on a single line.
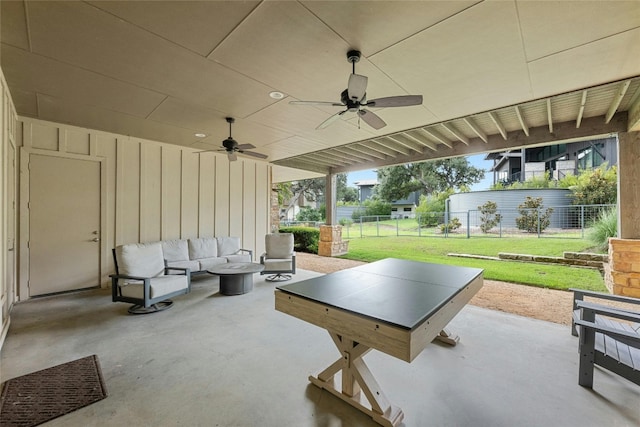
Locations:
{"points": [[232, 147], [354, 98]]}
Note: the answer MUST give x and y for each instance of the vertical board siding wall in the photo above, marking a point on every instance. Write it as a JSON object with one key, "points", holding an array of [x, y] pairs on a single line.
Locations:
{"points": [[156, 191], [8, 226]]}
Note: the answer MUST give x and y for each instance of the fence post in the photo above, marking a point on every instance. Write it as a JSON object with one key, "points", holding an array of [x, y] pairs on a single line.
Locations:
{"points": [[361, 226], [538, 223], [377, 225], [397, 226], [468, 224], [500, 225], [582, 219]]}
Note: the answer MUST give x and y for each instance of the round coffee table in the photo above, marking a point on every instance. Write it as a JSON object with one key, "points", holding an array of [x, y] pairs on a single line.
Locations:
{"points": [[236, 278]]}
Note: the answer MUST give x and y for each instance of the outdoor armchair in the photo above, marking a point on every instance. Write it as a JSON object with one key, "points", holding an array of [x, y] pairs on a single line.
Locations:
{"points": [[608, 337], [279, 259], [143, 280]]}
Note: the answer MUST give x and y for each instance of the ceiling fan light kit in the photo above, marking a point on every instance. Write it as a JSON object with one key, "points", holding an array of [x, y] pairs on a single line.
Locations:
{"points": [[354, 99], [231, 146]]}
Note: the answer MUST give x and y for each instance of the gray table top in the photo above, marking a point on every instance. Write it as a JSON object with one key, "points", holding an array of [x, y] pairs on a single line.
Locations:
{"points": [[236, 268], [399, 292]]}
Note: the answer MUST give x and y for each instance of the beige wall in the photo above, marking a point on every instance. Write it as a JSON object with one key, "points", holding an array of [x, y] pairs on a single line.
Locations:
{"points": [[7, 219], [153, 191]]}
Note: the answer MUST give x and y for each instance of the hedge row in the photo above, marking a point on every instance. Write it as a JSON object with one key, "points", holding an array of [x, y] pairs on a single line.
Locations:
{"points": [[305, 239]]}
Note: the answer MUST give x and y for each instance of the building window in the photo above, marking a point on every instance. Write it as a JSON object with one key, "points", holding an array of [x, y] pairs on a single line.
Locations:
{"points": [[407, 209], [394, 209], [591, 157]]}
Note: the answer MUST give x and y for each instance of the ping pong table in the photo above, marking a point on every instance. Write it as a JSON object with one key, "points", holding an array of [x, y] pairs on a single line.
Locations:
{"points": [[392, 305]]}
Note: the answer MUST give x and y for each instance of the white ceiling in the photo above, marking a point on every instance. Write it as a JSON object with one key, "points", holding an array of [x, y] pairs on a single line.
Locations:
{"points": [[169, 69]]}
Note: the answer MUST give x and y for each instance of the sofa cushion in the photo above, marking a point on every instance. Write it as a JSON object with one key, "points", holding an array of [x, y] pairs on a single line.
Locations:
{"points": [[207, 263], [158, 286], [278, 264], [191, 265], [205, 247], [140, 259], [228, 245], [175, 250], [279, 245]]}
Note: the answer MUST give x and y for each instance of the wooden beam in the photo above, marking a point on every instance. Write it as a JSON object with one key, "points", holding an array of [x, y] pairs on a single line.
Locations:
{"points": [[592, 127], [366, 150], [549, 115], [583, 102], [524, 126], [496, 121], [374, 145], [437, 136], [474, 127], [406, 142], [456, 133], [421, 141], [354, 153], [327, 156], [392, 144], [634, 113], [617, 99]]}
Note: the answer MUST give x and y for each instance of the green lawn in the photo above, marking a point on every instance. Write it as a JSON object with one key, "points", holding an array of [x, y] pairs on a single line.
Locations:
{"points": [[436, 249]]}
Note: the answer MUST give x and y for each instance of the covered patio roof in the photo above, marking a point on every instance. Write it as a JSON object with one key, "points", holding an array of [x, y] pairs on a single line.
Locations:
{"points": [[493, 75]]}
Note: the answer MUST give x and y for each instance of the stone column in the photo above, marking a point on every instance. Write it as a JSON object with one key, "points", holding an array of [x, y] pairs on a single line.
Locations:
{"points": [[331, 243]]}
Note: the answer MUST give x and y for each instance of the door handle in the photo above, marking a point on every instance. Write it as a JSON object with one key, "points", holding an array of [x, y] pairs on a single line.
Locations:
{"points": [[95, 239]]}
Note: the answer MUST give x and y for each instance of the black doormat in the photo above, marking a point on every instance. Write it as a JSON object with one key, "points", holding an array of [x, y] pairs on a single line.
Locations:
{"points": [[41, 396]]}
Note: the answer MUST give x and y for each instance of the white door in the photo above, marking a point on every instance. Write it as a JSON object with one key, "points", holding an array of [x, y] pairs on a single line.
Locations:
{"points": [[10, 277], [64, 224]]}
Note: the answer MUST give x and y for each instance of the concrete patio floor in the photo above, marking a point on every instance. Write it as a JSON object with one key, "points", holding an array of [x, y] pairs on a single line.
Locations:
{"points": [[215, 360]]}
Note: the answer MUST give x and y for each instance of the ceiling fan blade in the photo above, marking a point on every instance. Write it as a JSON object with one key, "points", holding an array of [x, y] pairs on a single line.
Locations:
{"points": [[254, 154], [209, 151], [372, 119], [396, 101], [232, 156], [245, 146], [357, 87], [331, 120], [327, 103]]}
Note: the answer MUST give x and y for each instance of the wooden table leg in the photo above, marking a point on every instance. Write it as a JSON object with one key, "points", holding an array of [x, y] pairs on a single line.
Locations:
{"points": [[358, 386]]}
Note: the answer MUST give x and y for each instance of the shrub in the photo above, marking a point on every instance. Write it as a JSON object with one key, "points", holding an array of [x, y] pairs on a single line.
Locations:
{"points": [[345, 222], [430, 211], [372, 207], [606, 226], [488, 216], [309, 214], [532, 219], [453, 225], [305, 239]]}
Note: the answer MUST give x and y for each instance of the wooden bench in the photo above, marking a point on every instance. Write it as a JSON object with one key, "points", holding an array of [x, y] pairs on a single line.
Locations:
{"points": [[608, 337]]}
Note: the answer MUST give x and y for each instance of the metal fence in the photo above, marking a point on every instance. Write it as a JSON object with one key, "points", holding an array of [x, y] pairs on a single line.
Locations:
{"points": [[569, 221]]}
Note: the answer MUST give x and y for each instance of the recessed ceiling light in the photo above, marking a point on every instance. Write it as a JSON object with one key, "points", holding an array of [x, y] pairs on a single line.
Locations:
{"points": [[276, 95], [199, 135]]}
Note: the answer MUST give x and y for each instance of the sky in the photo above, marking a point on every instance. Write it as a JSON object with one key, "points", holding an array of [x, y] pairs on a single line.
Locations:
{"points": [[477, 161]]}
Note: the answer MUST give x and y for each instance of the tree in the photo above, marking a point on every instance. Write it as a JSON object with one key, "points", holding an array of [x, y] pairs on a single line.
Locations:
{"points": [[488, 216], [310, 189], [532, 218], [397, 182], [344, 193]]}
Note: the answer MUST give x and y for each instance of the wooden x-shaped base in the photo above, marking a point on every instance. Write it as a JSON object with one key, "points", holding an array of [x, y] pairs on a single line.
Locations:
{"points": [[359, 388]]}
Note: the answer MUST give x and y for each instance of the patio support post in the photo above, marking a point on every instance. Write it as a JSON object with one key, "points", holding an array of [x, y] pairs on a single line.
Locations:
{"points": [[622, 273], [330, 199]]}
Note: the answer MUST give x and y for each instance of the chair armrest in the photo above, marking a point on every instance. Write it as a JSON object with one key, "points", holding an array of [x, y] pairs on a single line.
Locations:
{"points": [[247, 250], [579, 294], [628, 338], [609, 311], [185, 271], [263, 256], [124, 276]]}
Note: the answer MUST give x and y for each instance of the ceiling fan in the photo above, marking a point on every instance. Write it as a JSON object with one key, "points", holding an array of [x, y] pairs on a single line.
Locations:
{"points": [[232, 147], [354, 98]]}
